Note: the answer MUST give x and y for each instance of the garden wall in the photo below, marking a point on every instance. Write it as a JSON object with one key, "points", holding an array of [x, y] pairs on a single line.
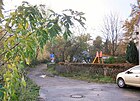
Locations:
{"points": [[93, 69]]}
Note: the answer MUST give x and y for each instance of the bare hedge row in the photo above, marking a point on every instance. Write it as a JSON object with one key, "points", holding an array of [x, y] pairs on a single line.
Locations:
{"points": [[93, 69]]}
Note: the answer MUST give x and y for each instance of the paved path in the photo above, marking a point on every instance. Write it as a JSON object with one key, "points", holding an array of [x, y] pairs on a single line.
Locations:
{"points": [[64, 89]]}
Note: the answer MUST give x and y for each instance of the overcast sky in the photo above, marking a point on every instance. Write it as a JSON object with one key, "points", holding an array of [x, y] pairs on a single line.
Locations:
{"points": [[94, 10]]}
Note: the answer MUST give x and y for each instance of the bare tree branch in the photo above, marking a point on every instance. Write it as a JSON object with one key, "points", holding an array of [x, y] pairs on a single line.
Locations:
{"points": [[3, 35], [111, 31]]}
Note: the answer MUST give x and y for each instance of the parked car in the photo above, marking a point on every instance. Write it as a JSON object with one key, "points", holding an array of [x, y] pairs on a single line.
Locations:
{"points": [[129, 77]]}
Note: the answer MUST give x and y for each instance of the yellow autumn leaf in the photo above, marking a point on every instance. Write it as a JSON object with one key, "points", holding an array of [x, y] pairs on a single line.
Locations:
{"points": [[9, 66], [7, 79], [26, 26], [20, 26], [17, 58], [13, 65], [27, 61], [23, 81], [12, 38]]}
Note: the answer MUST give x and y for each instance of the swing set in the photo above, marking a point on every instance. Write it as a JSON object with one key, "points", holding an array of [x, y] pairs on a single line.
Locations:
{"points": [[98, 58]]}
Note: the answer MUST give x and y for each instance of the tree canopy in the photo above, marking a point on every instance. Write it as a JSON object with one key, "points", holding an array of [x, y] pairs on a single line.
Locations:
{"points": [[130, 25]]}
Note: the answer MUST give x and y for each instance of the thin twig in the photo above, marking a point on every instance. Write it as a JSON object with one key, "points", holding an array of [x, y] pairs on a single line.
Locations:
{"points": [[4, 62], [7, 60], [3, 35], [10, 49]]}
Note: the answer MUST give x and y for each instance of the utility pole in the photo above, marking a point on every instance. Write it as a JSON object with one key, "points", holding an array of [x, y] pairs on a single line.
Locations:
{"points": [[139, 42], [138, 32]]}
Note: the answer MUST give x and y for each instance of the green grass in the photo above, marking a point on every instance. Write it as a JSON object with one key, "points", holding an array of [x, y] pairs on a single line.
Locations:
{"points": [[51, 69], [89, 78], [31, 92]]}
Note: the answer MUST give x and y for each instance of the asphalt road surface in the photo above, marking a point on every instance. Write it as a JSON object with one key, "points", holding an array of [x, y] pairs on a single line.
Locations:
{"points": [[64, 89]]}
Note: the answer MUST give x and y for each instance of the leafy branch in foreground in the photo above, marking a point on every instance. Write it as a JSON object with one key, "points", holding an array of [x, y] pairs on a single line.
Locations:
{"points": [[27, 29]]}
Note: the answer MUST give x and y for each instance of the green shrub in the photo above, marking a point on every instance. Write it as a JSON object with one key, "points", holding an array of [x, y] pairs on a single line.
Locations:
{"points": [[110, 60], [30, 93], [132, 53], [120, 59]]}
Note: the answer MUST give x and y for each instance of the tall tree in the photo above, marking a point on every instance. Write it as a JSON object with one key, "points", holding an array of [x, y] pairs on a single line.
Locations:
{"points": [[130, 25], [67, 49], [79, 45], [130, 29], [107, 47], [135, 8], [112, 30], [121, 50], [97, 44]]}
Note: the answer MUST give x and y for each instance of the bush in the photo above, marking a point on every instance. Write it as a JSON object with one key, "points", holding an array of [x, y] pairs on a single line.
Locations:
{"points": [[119, 59], [132, 53], [110, 60], [31, 92]]}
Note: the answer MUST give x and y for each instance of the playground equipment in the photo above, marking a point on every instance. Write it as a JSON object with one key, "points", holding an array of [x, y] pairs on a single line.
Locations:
{"points": [[98, 58]]}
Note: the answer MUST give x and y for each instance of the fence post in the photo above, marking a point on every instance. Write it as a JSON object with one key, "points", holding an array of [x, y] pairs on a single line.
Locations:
{"points": [[105, 70]]}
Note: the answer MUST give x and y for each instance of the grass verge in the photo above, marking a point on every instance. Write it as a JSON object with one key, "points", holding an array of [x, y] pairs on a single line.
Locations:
{"points": [[89, 78], [31, 92]]}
